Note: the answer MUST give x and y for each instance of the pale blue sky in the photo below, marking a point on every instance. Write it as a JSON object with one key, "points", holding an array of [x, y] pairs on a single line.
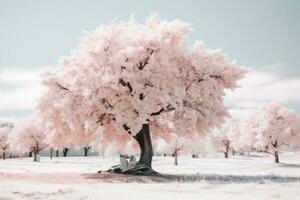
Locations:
{"points": [[262, 34]]}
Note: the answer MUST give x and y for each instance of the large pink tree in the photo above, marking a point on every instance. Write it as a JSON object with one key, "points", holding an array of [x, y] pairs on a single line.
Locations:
{"points": [[126, 75], [5, 129], [29, 135], [276, 129]]}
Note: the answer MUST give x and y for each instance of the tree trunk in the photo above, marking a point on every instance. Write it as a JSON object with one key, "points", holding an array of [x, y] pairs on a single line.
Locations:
{"points": [[195, 156], [65, 152], [86, 150], [175, 157], [3, 155], [233, 152], [36, 157], [144, 140], [144, 165], [57, 153], [30, 154], [226, 151], [51, 153], [226, 154], [276, 157]]}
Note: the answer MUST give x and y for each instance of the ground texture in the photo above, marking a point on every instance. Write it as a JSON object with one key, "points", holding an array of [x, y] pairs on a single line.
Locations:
{"points": [[250, 177]]}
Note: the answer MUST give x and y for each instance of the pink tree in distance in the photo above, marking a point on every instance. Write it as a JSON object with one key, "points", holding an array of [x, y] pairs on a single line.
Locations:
{"points": [[225, 138], [126, 75], [275, 129], [5, 129], [29, 135], [244, 143]]}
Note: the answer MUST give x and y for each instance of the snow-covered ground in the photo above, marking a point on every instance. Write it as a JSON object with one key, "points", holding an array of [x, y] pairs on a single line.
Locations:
{"points": [[250, 177]]}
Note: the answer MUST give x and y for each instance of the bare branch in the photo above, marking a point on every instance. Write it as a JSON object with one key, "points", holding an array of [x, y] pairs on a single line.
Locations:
{"points": [[188, 104], [61, 87]]}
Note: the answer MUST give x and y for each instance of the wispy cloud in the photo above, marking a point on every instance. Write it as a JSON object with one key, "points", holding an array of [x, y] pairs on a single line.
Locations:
{"points": [[19, 91], [257, 88]]}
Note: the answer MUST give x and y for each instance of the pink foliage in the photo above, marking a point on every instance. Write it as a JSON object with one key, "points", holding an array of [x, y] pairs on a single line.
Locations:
{"points": [[276, 128], [28, 135], [5, 129], [126, 74], [244, 143], [226, 137]]}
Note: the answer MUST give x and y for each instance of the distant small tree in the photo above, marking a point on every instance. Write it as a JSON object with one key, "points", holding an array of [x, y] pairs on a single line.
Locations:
{"points": [[244, 142], [275, 128], [5, 129], [51, 153], [177, 147], [86, 150], [223, 137], [197, 145], [57, 152], [29, 135], [173, 147], [65, 151]]}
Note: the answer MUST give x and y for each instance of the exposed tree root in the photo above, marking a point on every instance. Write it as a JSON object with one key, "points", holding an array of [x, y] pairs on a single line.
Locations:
{"points": [[138, 169]]}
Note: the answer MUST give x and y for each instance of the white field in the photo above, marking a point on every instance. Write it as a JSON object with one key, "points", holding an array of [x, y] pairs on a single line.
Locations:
{"points": [[250, 177]]}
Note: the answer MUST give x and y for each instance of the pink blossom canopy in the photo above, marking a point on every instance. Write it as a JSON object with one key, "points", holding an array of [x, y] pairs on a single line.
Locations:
{"points": [[126, 74]]}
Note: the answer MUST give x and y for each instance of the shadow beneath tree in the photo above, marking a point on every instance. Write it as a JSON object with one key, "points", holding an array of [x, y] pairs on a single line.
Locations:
{"points": [[290, 165], [210, 178]]}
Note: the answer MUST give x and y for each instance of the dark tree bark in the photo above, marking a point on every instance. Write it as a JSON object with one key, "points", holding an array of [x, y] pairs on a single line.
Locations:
{"points": [[86, 150], [65, 152], [226, 154], [57, 153], [30, 154], [175, 157], [36, 156], [226, 151], [233, 152], [144, 165], [51, 153], [276, 157], [3, 155], [144, 140]]}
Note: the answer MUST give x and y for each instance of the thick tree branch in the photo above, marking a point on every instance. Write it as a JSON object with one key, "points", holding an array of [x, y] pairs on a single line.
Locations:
{"points": [[216, 77], [61, 87], [126, 128], [148, 83], [141, 96], [104, 116], [195, 80], [167, 109], [125, 84], [106, 103], [142, 64]]}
